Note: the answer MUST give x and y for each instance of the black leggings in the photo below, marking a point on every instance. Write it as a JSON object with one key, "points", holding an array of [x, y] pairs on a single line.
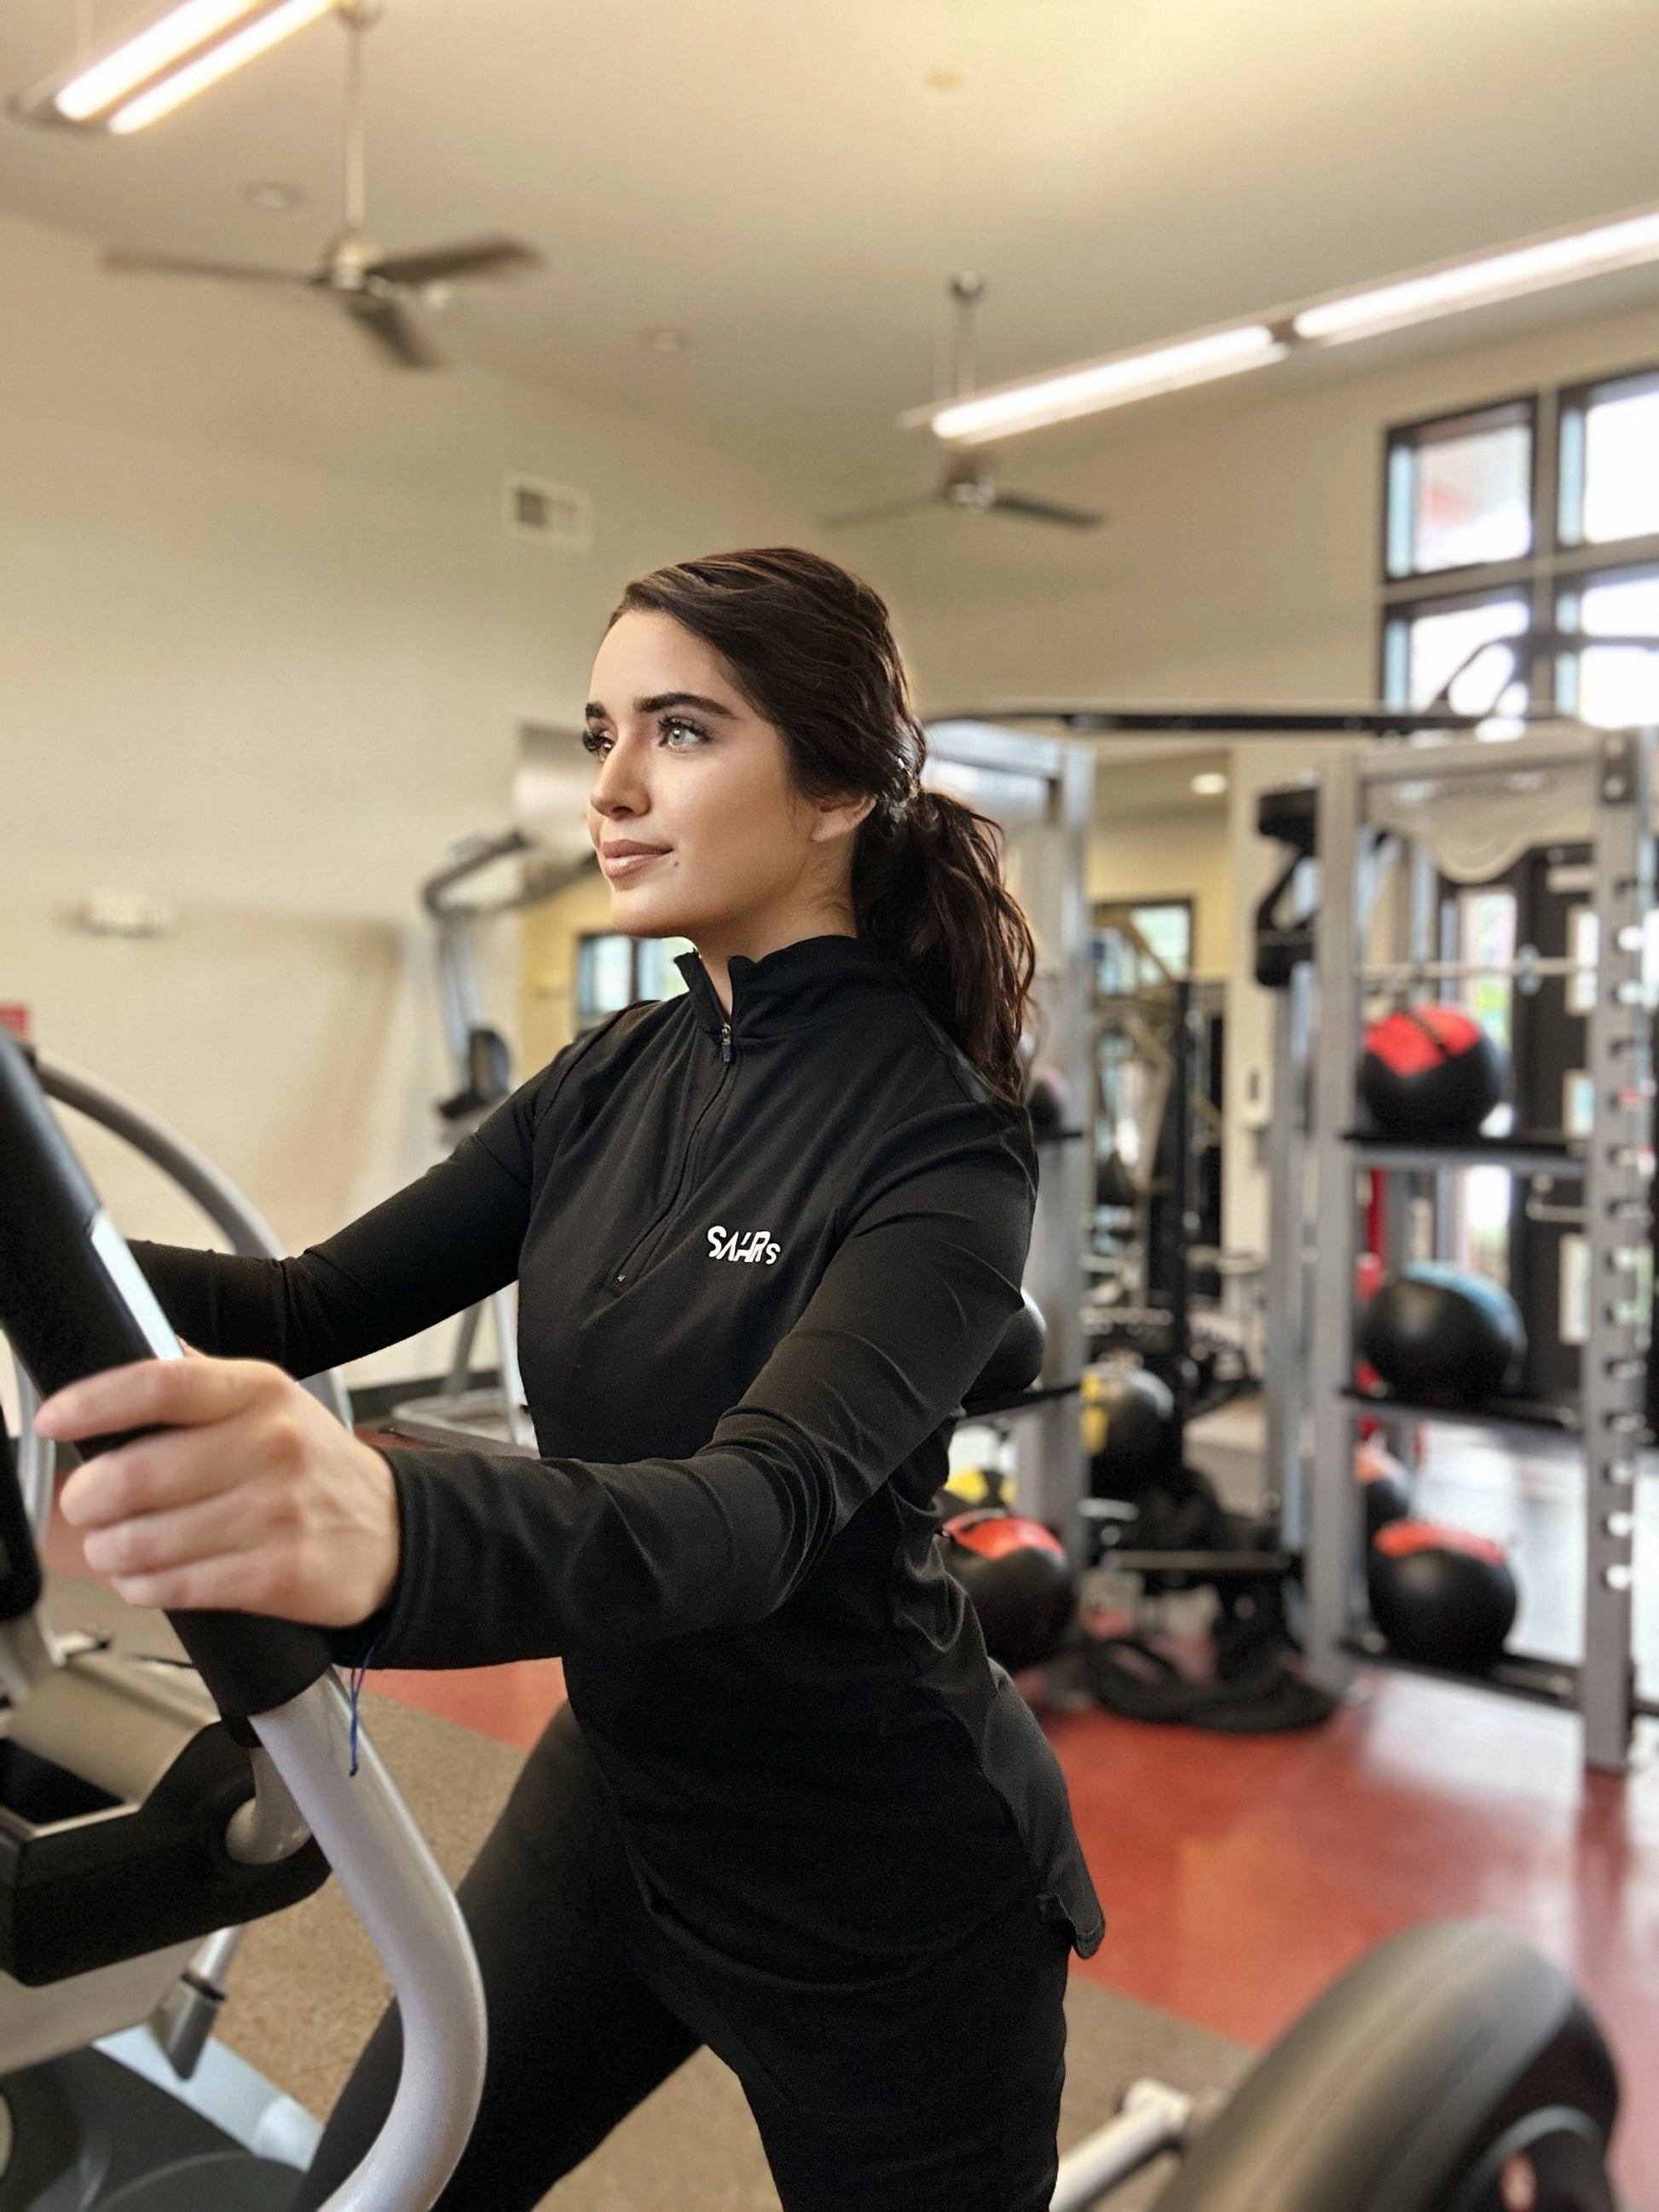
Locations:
{"points": [[935, 2092]]}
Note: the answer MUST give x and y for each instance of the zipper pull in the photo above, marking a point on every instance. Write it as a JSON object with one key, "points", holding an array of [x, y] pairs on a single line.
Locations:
{"points": [[725, 1044]]}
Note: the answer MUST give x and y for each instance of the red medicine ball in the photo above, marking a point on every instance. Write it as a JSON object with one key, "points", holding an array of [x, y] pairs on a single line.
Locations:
{"points": [[1019, 1580], [1441, 1595], [1431, 1071]]}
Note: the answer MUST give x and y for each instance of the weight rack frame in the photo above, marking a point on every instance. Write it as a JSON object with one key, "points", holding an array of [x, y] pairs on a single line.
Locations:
{"points": [[1616, 1164]]}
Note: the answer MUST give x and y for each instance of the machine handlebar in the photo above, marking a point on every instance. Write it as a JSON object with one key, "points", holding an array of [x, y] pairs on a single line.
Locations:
{"points": [[74, 1302]]}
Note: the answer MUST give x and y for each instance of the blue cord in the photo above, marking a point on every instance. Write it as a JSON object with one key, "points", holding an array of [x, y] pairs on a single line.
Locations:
{"points": [[355, 1675]]}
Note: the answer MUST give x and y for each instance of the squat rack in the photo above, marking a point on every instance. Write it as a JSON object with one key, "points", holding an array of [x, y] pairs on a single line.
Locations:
{"points": [[1558, 779]]}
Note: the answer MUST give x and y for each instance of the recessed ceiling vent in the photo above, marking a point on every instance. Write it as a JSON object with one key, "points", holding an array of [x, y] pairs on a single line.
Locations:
{"points": [[554, 515]]}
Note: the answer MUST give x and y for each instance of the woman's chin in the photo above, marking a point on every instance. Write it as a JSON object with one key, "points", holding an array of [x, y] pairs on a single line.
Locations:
{"points": [[636, 913]]}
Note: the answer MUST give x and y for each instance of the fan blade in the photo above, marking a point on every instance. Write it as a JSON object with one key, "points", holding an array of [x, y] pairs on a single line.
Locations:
{"points": [[121, 263], [1044, 510], [442, 264], [887, 511], [387, 326]]}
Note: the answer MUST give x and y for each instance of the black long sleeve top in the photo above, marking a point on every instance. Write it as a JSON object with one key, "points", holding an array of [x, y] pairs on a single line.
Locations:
{"points": [[760, 1262]]}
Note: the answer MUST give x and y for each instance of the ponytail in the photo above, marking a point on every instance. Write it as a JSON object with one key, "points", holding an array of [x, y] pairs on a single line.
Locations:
{"points": [[927, 890], [811, 649]]}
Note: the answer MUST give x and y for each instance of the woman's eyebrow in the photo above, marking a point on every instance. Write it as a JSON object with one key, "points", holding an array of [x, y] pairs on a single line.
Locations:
{"points": [[658, 701]]}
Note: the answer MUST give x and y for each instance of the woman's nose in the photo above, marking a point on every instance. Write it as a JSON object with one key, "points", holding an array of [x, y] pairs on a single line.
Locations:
{"points": [[617, 788]]}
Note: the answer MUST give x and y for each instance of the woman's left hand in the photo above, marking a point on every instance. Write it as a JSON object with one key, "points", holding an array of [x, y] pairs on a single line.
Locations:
{"points": [[250, 1496]]}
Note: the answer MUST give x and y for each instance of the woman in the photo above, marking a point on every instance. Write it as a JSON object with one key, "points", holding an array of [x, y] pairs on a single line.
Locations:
{"points": [[765, 1235]]}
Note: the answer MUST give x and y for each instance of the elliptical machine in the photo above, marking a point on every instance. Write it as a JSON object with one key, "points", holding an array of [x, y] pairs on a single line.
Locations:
{"points": [[140, 1814]]}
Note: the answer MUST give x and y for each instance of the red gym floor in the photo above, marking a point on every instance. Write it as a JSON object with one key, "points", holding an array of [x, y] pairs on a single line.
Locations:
{"points": [[1240, 1874]]}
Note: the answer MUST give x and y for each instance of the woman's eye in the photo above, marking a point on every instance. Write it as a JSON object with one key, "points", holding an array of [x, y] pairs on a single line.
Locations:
{"points": [[674, 729], [594, 741]]}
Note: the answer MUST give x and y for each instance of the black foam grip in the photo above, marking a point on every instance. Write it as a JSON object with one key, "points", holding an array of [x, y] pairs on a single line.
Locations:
{"points": [[67, 1317], [252, 1664], [20, 1563]]}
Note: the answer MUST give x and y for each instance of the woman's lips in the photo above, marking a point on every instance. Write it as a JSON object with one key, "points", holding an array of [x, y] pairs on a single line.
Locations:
{"points": [[626, 861]]}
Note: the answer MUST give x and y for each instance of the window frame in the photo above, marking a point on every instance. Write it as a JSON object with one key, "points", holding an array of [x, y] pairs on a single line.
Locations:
{"points": [[1439, 602], [1579, 581], [1550, 570], [1575, 398], [1411, 435], [1102, 914]]}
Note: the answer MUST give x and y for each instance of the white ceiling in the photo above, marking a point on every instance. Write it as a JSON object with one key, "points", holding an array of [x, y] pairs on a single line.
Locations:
{"points": [[778, 177]]}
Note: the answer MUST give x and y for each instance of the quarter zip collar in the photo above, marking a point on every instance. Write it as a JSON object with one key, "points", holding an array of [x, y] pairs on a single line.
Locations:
{"points": [[787, 989]]}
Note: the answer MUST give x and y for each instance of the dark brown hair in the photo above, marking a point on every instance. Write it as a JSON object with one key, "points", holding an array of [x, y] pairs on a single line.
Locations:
{"points": [[810, 649]]}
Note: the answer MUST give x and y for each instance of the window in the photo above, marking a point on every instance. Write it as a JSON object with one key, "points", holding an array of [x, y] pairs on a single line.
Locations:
{"points": [[1614, 684], [1609, 470], [1460, 491], [1138, 946], [1446, 653], [613, 971], [1496, 525]]}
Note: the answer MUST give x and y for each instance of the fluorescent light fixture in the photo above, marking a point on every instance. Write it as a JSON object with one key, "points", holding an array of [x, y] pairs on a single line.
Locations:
{"points": [[178, 54], [259, 37], [1037, 401], [1628, 241], [158, 46], [1463, 284], [1209, 783]]}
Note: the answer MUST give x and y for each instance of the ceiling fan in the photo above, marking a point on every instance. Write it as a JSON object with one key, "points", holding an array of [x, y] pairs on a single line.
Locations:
{"points": [[374, 288], [967, 482]]}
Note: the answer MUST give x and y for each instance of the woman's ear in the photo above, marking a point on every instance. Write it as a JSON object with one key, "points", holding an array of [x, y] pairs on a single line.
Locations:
{"points": [[839, 817]]}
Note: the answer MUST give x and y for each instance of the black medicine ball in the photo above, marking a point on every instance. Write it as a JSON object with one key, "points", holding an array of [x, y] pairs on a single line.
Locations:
{"points": [[1441, 1336], [1441, 1595], [1128, 1431], [1016, 1362], [1384, 1487], [1048, 1099], [1019, 1580], [1431, 1071]]}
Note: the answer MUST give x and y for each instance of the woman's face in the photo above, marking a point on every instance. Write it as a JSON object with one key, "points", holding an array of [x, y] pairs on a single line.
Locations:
{"points": [[700, 830]]}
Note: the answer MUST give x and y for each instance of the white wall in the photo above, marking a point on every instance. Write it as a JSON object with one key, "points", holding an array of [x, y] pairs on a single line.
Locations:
{"points": [[264, 644], [1183, 853], [1242, 563]]}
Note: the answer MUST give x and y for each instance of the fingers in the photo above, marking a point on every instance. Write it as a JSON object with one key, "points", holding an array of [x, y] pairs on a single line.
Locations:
{"points": [[230, 1581], [183, 1536], [155, 1394], [237, 1492], [232, 1541], [179, 1466]]}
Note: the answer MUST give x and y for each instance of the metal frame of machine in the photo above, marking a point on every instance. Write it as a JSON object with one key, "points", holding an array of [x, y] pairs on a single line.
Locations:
{"points": [[135, 1882], [1047, 825]]}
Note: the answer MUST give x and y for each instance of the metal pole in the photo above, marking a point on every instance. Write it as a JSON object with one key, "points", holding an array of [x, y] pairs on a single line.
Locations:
{"points": [[1181, 1223], [1286, 1245], [1617, 1190], [1153, 2119], [1332, 1521]]}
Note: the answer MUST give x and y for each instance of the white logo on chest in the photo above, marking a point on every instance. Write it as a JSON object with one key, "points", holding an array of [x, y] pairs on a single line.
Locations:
{"points": [[750, 1245]]}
